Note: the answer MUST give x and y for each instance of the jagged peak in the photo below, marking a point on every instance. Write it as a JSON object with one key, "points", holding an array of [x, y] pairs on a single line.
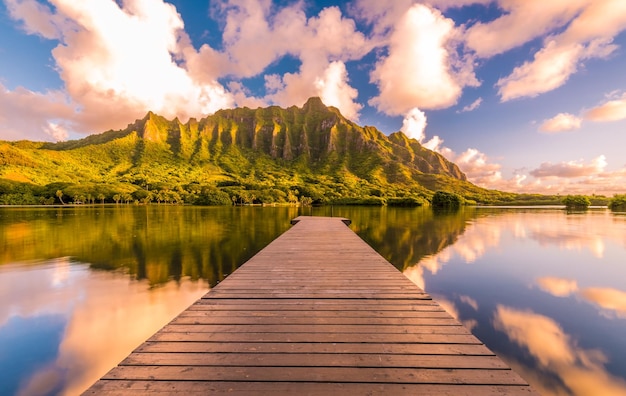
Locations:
{"points": [[314, 103]]}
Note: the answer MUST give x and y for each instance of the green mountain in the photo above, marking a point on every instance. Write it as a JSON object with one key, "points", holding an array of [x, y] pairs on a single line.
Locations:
{"points": [[242, 155]]}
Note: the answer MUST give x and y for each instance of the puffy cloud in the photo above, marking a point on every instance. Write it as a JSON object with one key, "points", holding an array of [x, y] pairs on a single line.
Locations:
{"points": [[568, 177], [36, 18], [330, 84], [247, 28], [126, 57], [605, 183], [550, 68], [325, 42], [590, 33], [117, 62], [420, 70], [570, 169], [512, 29], [25, 114], [612, 110], [477, 167], [561, 122], [382, 15], [334, 90], [243, 97], [414, 124]]}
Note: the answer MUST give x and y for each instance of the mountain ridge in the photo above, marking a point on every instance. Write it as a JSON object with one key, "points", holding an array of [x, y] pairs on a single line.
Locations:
{"points": [[270, 148]]}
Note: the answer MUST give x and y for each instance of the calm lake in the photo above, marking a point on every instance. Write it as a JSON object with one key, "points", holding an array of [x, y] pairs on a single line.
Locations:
{"points": [[80, 288]]}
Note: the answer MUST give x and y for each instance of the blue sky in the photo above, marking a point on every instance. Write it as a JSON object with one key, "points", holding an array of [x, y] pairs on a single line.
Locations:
{"points": [[524, 95]]}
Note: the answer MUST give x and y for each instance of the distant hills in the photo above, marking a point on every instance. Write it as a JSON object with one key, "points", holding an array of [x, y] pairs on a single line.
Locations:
{"points": [[267, 155]]}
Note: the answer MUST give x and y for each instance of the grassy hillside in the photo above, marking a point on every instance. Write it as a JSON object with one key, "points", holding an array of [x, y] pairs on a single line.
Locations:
{"points": [[267, 155]]}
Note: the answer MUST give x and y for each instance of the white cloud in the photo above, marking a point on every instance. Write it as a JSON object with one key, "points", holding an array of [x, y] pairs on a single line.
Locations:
{"points": [[472, 106], [382, 15], [612, 110], [325, 42], [592, 27], [330, 84], [561, 122], [551, 67], [414, 124], [570, 169], [334, 90], [513, 29], [436, 144], [418, 72], [28, 115], [117, 63], [36, 17], [477, 167], [243, 97], [567, 177]]}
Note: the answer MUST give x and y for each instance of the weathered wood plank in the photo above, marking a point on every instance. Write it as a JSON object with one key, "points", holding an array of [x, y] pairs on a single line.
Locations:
{"points": [[430, 326], [316, 312], [317, 337], [314, 315], [124, 388], [318, 347], [315, 360], [319, 374], [253, 318], [317, 305], [322, 304]]}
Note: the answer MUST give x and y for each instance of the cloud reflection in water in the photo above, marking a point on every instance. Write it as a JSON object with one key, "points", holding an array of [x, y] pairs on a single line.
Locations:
{"points": [[581, 370], [107, 314], [562, 346]]}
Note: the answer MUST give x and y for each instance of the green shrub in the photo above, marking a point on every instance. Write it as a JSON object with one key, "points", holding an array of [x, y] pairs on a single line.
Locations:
{"points": [[443, 199], [576, 202], [213, 197], [405, 201], [618, 202]]}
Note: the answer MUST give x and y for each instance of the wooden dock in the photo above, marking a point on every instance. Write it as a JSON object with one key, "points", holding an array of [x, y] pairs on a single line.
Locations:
{"points": [[317, 312]]}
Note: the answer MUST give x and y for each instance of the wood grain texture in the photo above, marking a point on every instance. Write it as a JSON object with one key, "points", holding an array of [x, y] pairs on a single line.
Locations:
{"points": [[316, 312]]}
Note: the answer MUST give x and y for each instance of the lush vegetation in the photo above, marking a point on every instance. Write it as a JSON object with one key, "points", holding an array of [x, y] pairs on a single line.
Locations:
{"points": [[576, 202], [309, 155], [618, 203], [447, 200]]}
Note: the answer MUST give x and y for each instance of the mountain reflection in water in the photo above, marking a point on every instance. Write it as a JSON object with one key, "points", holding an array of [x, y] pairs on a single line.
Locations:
{"points": [[80, 288], [543, 289]]}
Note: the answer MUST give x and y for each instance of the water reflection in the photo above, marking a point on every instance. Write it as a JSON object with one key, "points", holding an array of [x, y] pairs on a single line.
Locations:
{"points": [[577, 370], [156, 243], [70, 325], [543, 289], [81, 287], [611, 301]]}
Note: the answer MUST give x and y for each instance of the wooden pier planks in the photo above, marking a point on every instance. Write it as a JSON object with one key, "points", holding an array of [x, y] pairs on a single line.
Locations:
{"points": [[316, 312]]}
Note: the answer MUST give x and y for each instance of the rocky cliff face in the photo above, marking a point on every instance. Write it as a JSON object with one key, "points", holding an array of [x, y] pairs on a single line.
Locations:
{"points": [[316, 135]]}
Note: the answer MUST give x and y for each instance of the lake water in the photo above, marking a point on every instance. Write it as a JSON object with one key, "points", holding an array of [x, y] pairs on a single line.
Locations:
{"points": [[80, 288]]}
